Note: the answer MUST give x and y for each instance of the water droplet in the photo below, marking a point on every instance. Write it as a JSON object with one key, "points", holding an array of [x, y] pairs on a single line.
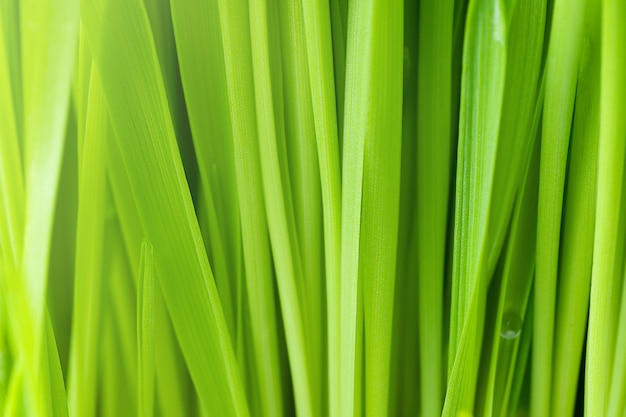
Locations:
{"points": [[511, 325]]}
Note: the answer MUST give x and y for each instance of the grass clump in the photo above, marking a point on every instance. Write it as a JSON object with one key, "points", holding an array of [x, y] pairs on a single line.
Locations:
{"points": [[295, 207]]}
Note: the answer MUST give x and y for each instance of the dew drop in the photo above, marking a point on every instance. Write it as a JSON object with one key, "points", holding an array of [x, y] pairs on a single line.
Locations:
{"points": [[511, 325]]}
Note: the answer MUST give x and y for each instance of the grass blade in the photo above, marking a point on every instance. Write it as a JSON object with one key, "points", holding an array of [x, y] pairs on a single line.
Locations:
{"points": [[561, 74], [317, 26], [577, 229], [146, 330], [484, 62], [372, 140], [434, 139], [611, 156]]}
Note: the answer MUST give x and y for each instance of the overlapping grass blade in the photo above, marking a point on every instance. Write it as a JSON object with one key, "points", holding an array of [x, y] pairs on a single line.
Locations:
{"points": [[611, 155], [118, 32]]}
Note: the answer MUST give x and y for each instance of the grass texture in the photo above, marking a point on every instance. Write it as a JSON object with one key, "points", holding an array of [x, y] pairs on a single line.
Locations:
{"points": [[343, 208]]}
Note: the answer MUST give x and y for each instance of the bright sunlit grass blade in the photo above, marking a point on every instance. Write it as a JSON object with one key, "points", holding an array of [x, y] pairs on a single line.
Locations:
{"points": [[146, 330], [561, 74], [139, 112], [434, 139], [611, 156]]}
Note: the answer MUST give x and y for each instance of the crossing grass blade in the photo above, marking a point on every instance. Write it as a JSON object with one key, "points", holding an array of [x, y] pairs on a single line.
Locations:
{"points": [[118, 31]]}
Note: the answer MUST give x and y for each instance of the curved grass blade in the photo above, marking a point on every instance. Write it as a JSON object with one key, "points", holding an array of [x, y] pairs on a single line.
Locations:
{"points": [[118, 33]]}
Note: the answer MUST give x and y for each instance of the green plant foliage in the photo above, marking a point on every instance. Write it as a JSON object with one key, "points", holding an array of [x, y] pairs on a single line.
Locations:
{"points": [[343, 208]]}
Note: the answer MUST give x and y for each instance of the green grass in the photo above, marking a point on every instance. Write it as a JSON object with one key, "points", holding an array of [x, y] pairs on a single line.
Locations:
{"points": [[336, 208]]}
